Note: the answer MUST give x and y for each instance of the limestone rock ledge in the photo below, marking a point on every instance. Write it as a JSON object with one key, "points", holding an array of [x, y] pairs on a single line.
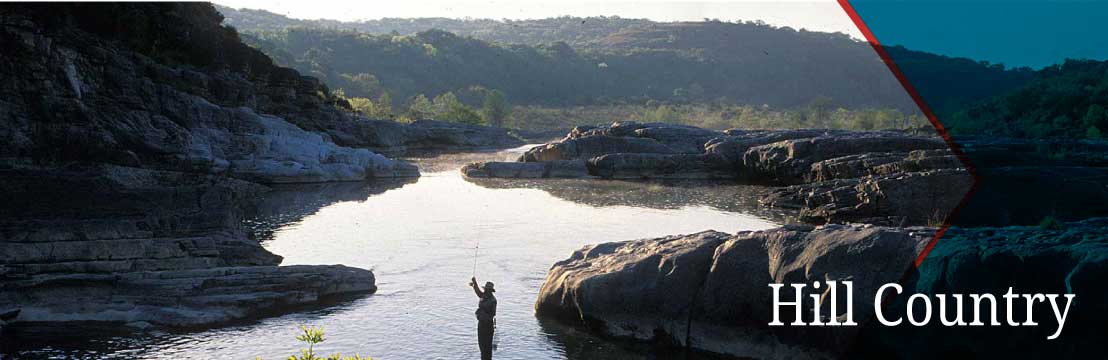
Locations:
{"points": [[119, 244], [179, 298], [828, 176], [709, 290]]}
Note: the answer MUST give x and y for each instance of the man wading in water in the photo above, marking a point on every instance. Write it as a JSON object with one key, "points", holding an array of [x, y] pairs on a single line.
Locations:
{"points": [[486, 311]]}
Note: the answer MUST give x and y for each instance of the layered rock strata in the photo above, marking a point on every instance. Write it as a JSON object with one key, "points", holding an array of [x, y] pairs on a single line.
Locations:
{"points": [[881, 177]]}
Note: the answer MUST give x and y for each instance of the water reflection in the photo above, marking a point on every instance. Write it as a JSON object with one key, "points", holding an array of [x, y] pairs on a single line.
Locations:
{"points": [[580, 345], [420, 238], [287, 204], [654, 194]]}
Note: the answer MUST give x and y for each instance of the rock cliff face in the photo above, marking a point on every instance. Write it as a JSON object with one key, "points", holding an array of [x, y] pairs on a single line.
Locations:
{"points": [[709, 290], [887, 178], [134, 134], [71, 95]]}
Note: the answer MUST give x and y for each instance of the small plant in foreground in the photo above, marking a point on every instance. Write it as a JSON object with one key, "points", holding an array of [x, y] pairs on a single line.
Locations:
{"points": [[313, 336]]}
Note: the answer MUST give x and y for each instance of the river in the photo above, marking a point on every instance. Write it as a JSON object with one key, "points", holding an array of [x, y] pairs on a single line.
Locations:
{"points": [[424, 239]]}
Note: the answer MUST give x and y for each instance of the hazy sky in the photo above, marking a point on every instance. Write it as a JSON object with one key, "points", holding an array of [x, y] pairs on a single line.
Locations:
{"points": [[825, 15]]}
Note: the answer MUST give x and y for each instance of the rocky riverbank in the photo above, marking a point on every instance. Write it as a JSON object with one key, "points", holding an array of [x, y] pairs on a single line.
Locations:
{"points": [[1041, 207], [120, 244], [708, 290], [393, 138], [1063, 258], [889, 178], [134, 136]]}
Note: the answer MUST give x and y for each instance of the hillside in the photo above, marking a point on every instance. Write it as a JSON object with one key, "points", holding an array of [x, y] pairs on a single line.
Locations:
{"points": [[606, 61], [1066, 100], [788, 69], [578, 32]]}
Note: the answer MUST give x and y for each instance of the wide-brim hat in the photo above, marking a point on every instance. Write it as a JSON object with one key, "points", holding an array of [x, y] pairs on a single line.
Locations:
{"points": [[489, 286]]}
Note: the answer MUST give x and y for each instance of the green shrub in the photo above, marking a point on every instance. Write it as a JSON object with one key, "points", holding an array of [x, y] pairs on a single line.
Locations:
{"points": [[1050, 223], [312, 336]]}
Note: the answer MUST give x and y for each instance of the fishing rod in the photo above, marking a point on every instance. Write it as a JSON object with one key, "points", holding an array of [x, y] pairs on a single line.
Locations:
{"points": [[476, 248]]}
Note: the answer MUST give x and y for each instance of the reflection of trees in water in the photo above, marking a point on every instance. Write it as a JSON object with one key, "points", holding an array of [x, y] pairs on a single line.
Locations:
{"points": [[287, 204], [655, 194]]}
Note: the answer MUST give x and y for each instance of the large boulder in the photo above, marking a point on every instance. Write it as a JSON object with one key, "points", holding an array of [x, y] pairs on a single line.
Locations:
{"points": [[898, 199], [730, 149], [789, 162], [642, 289], [861, 165], [658, 166], [710, 290], [1065, 258], [592, 146]]}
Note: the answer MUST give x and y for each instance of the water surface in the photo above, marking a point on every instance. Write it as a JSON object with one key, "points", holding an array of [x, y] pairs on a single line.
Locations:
{"points": [[424, 239]]}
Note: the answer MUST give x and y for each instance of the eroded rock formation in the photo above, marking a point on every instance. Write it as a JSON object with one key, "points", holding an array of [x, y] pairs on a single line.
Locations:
{"points": [[879, 177], [709, 290], [134, 134]]}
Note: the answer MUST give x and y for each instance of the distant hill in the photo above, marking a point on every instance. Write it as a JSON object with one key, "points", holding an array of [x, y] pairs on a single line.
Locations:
{"points": [[579, 32], [605, 60], [1068, 100], [949, 83]]}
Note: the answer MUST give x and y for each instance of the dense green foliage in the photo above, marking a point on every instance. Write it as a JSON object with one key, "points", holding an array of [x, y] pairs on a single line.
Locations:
{"points": [[718, 116], [576, 31], [1066, 100], [565, 71], [622, 61], [434, 62]]}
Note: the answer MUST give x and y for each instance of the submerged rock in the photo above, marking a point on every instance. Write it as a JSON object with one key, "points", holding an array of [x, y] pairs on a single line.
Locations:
{"points": [[709, 290], [591, 146]]}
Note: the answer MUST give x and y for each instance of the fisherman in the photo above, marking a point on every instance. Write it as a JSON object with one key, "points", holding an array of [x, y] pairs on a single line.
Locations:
{"points": [[486, 312]]}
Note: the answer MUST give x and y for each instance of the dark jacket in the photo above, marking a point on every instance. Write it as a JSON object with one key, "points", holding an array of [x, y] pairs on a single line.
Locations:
{"points": [[486, 308]]}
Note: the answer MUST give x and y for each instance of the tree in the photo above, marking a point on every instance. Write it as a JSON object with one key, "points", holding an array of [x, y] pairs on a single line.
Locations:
{"points": [[384, 105], [363, 106], [1092, 133], [445, 102], [460, 113], [494, 109], [820, 106], [420, 108], [1096, 116]]}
